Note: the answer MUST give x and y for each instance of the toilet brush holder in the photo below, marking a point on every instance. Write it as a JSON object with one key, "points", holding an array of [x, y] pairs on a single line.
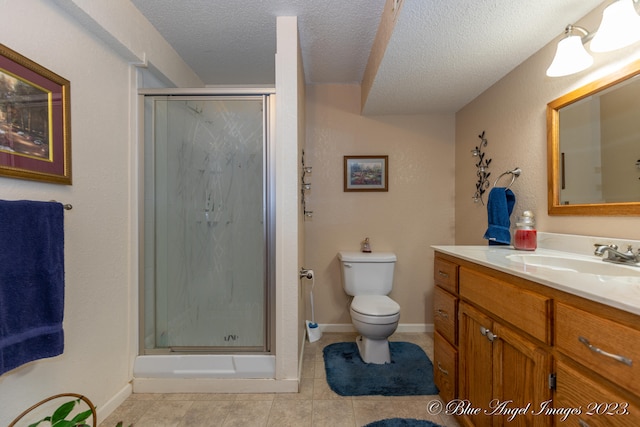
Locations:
{"points": [[313, 331]]}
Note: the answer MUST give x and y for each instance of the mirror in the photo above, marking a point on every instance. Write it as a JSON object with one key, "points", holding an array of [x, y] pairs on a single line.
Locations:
{"points": [[593, 143]]}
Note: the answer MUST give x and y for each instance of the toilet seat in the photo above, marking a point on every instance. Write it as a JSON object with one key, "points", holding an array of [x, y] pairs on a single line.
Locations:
{"points": [[374, 320], [375, 306]]}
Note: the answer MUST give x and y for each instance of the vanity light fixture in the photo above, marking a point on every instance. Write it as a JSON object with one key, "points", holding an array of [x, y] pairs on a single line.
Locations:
{"points": [[571, 56], [620, 27]]}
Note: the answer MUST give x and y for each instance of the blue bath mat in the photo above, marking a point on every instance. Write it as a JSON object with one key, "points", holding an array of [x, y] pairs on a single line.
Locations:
{"points": [[410, 372], [402, 422]]}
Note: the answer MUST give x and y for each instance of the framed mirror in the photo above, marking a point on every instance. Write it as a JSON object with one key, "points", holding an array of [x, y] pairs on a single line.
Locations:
{"points": [[593, 143]]}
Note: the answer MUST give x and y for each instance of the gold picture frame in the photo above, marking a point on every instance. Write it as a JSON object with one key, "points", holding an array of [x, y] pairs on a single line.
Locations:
{"points": [[35, 121]]}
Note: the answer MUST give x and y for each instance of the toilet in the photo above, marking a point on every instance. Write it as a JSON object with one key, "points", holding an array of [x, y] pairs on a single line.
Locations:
{"points": [[368, 277]]}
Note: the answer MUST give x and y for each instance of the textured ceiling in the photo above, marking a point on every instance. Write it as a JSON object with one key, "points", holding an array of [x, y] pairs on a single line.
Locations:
{"points": [[441, 55], [234, 41]]}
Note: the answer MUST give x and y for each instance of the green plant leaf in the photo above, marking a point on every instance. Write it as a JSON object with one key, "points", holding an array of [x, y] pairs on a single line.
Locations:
{"points": [[82, 416], [61, 413], [42, 420]]}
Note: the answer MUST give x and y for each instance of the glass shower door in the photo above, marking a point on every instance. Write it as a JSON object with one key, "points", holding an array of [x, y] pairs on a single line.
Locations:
{"points": [[206, 224]]}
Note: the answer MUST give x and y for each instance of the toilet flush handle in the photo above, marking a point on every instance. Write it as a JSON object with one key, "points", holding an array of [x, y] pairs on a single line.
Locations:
{"points": [[346, 264]]}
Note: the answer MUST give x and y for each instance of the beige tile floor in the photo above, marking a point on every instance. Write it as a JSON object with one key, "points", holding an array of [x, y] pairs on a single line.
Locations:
{"points": [[316, 405]]}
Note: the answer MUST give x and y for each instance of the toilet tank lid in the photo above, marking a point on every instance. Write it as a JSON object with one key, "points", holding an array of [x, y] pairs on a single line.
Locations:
{"points": [[367, 257]]}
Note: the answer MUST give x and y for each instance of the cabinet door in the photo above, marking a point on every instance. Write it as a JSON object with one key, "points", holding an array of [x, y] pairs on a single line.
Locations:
{"points": [[521, 372], [501, 372], [476, 360]]}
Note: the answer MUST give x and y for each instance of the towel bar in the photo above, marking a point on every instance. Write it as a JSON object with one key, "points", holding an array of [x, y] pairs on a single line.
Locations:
{"points": [[66, 207], [514, 174]]}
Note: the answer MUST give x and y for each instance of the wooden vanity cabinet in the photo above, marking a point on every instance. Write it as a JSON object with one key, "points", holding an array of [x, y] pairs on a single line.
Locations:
{"points": [[530, 346]]}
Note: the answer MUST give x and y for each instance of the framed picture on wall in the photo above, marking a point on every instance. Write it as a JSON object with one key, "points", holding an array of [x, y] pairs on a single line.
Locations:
{"points": [[366, 173], [35, 123]]}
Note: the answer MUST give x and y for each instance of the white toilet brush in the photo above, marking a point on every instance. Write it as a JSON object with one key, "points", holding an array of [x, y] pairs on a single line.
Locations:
{"points": [[313, 331]]}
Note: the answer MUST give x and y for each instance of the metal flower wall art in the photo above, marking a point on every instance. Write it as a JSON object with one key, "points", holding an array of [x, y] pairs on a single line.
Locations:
{"points": [[482, 173]]}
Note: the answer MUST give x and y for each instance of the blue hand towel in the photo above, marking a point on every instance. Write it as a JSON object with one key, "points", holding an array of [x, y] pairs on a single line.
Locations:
{"points": [[499, 208], [31, 282]]}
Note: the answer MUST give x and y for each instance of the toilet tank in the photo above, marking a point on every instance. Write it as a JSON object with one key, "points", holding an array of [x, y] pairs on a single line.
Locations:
{"points": [[367, 273]]}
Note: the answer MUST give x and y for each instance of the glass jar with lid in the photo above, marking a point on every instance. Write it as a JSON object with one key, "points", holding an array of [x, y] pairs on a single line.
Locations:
{"points": [[526, 236]]}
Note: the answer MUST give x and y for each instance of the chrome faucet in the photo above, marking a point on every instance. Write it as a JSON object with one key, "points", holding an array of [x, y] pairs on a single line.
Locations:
{"points": [[615, 256]]}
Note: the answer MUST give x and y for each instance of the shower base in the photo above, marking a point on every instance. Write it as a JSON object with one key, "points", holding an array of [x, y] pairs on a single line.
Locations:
{"points": [[209, 374], [205, 366]]}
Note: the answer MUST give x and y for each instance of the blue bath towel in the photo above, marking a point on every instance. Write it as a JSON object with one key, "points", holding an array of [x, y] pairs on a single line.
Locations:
{"points": [[31, 282], [499, 208]]}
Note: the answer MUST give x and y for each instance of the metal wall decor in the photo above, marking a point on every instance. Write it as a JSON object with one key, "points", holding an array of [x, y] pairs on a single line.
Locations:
{"points": [[305, 186], [482, 173]]}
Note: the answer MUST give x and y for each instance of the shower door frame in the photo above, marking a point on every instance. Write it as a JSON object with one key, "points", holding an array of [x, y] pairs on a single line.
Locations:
{"points": [[268, 117]]}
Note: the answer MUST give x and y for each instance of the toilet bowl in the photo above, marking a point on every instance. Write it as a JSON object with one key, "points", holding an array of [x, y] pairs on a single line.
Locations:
{"points": [[368, 277], [376, 318]]}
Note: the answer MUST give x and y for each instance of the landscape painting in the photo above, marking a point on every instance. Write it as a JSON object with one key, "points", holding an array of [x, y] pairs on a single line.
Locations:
{"points": [[366, 173], [35, 140]]}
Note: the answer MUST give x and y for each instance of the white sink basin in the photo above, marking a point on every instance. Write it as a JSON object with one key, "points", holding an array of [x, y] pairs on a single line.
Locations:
{"points": [[578, 265]]}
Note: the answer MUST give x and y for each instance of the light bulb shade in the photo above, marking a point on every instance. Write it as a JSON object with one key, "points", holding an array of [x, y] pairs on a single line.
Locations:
{"points": [[571, 57], [619, 28]]}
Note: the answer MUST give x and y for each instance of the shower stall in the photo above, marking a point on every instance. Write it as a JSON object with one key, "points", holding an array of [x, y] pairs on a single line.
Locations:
{"points": [[208, 235]]}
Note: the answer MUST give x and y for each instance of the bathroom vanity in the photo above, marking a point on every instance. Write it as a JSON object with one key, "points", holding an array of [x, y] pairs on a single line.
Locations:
{"points": [[521, 341]]}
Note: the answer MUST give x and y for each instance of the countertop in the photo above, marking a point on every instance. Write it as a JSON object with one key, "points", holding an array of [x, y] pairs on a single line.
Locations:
{"points": [[622, 292]]}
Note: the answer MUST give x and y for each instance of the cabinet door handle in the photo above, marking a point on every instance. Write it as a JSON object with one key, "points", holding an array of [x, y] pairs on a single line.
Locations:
{"points": [[443, 313], [441, 369], [443, 274], [487, 333], [595, 349]]}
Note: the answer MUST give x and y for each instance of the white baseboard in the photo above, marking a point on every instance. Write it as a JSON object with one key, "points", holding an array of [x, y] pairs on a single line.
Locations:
{"points": [[214, 385], [106, 409], [416, 327], [402, 327]]}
